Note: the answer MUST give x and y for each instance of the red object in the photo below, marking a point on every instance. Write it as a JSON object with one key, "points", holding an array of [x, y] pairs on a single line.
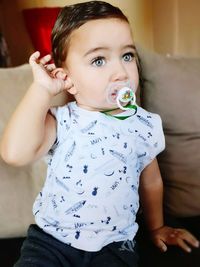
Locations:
{"points": [[39, 23]]}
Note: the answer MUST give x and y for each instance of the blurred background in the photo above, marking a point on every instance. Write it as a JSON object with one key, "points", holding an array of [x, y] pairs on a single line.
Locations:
{"points": [[168, 27]]}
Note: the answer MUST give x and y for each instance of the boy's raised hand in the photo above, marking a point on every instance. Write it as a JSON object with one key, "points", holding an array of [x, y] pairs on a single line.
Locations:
{"points": [[46, 75], [173, 236]]}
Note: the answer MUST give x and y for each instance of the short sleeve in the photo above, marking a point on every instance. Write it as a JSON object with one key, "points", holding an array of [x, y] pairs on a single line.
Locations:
{"points": [[62, 116], [151, 140]]}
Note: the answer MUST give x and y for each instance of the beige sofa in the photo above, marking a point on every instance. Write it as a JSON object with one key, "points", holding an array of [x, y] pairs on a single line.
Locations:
{"points": [[18, 186], [171, 87]]}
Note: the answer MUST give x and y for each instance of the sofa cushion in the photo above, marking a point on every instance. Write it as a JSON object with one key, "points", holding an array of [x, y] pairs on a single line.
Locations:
{"points": [[171, 88], [18, 186]]}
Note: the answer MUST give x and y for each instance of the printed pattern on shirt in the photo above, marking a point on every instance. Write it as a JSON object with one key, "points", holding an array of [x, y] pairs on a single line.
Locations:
{"points": [[90, 197]]}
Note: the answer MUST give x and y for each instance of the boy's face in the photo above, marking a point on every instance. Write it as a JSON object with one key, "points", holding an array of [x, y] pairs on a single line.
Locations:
{"points": [[101, 52]]}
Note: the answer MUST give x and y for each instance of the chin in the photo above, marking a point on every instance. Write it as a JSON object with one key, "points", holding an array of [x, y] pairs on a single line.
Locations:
{"points": [[109, 106]]}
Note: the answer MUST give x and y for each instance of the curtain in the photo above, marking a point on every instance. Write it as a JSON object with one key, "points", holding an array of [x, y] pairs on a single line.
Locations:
{"points": [[4, 54], [39, 23]]}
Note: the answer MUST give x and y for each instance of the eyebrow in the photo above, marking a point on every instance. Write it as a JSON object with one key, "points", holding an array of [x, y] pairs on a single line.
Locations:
{"points": [[96, 49]]}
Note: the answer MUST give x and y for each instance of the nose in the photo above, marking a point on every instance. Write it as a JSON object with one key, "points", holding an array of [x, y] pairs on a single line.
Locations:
{"points": [[119, 72]]}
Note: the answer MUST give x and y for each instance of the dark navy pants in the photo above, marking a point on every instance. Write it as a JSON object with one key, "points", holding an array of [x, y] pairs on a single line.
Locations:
{"points": [[42, 250]]}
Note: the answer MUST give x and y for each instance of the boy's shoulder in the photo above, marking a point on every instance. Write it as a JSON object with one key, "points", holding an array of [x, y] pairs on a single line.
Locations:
{"points": [[145, 113], [57, 111], [147, 118]]}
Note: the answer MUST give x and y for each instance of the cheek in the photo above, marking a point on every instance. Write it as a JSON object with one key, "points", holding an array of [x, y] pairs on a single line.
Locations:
{"points": [[136, 78], [76, 78], [82, 77], [134, 75], [84, 86]]}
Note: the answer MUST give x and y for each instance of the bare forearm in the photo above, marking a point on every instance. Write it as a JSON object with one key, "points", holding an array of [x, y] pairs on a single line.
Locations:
{"points": [[25, 131], [152, 204], [31, 130], [151, 195]]}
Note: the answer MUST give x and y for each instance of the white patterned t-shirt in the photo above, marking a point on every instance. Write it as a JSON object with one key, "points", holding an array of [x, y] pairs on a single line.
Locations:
{"points": [[90, 196]]}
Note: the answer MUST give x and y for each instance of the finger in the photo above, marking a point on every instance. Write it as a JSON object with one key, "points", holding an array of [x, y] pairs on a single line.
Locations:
{"points": [[183, 245], [59, 73], [56, 71], [34, 58], [50, 67], [161, 245], [44, 60], [189, 238]]}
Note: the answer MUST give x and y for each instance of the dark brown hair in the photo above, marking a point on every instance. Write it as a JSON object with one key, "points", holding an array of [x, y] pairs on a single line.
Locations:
{"points": [[72, 17]]}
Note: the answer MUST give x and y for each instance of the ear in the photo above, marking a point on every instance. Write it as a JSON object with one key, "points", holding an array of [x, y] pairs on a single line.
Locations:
{"points": [[59, 73], [62, 73], [72, 90]]}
